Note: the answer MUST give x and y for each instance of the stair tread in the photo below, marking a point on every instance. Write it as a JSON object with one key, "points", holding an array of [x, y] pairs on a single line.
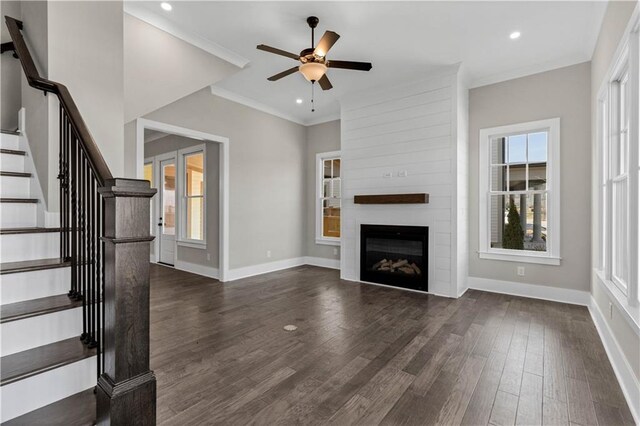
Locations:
{"points": [[15, 174], [34, 361], [32, 265], [28, 230], [10, 132], [76, 410], [18, 200], [35, 307], [12, 151]]}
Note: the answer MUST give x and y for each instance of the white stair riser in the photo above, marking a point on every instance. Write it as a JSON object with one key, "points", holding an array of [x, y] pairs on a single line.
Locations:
{"points": [[34, 285], [11, 163], [29, 394], [17, 247], [31, 332], [18, 215], [15, 187], [9, 141]]}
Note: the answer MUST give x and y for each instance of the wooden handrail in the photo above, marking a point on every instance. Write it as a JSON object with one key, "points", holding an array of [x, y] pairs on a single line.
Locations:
{"points": [[87, 143]]}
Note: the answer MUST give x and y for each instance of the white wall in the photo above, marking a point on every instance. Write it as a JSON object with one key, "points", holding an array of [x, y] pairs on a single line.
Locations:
{"points": [[160, 68], [560, 93], [323, 137], [10, 72], [411, 127], [86, 54], [267, 174]]}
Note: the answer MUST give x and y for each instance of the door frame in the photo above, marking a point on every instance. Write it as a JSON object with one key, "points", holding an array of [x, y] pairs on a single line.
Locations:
{"points": [[157, 207], [223, 202]]}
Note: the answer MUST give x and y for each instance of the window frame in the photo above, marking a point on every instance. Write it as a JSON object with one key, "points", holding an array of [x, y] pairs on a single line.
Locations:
{"points": [[319, 181], [152, 210], [610, 130], [552, 255], [182, 239]]}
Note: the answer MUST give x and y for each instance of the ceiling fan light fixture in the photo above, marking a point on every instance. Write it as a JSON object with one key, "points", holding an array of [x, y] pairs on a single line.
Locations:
{"points": [[313, 71]]}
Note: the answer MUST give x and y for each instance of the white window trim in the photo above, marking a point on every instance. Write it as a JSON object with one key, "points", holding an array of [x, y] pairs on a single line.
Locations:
{"points": [[552, 255], [320, 157], [627, 56], [181, 239]]}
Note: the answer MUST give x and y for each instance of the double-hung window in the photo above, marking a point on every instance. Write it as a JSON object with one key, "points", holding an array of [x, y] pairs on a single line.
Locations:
{"points": [[193, 190], [328, 198], [619, 164], [519, 192]]}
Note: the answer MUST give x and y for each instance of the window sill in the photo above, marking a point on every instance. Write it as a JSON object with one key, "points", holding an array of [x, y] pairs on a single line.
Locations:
{"points": [[192, 244], [328, 242], [630, 313], [522, 258]]}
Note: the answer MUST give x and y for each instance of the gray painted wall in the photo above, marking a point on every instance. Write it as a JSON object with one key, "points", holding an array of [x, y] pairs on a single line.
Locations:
{"points": [[267, 174], [11, 99], [172, 143], [323, 137], [560, 93]]}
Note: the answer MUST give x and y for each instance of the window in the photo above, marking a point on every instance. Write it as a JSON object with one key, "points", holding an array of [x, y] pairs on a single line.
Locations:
{"points": [[193, 194], [519, 192], [328, 200], [619, 163]]}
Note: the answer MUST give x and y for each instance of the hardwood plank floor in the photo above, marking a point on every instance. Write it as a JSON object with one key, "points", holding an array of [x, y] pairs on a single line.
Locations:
{"points": [[369, 355]]}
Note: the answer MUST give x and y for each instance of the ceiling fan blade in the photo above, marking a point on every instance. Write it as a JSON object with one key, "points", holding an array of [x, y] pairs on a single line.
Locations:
{"points": [[283, 74], [325, 83], [278, 51], [350, 65], [326, 42]]}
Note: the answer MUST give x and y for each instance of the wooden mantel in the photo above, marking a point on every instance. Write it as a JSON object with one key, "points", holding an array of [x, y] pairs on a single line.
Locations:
{"points": [[421, 198]]}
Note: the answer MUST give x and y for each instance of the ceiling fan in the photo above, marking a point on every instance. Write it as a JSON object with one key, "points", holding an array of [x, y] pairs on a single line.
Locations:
{"points": [[314, 62]]}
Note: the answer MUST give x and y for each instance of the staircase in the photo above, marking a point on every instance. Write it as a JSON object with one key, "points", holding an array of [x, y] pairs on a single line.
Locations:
{"points": [[74, 300], [44, 364]]}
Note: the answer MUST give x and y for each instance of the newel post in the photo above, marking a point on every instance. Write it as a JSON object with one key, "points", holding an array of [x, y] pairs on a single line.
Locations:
{"points": [[127, 389]]}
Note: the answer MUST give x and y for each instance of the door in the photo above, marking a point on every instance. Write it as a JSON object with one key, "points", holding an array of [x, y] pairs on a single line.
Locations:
{"points": [[167, 219]]}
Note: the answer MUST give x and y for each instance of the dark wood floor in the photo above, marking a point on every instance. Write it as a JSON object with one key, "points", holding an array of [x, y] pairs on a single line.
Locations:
{"points": [[371, 355]]}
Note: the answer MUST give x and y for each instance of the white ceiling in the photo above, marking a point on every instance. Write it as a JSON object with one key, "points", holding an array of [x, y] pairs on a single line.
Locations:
{"points": [[401, 39]]}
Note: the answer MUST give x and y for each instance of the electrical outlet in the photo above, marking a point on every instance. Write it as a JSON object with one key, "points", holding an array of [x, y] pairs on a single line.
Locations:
{"points": [[387, 175], [402, 173], [520, 271], [335, 251], [610, 310], [268, 253], [208, 256]]}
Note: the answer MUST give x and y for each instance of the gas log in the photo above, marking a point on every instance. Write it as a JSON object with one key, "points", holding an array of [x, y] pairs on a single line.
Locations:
{"points": [[397, 266]]}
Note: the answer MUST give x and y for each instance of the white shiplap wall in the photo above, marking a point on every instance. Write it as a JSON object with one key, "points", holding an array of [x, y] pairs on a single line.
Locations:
{"points": [[412, 128]]}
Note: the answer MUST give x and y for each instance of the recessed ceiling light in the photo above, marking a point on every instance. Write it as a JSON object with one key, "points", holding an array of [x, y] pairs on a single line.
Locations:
{"points": [[166, 6], [514, 35], [298, 101]]}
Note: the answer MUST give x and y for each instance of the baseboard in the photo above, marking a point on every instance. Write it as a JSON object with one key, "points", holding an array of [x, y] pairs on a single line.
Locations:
{"points": [[264, 268], [322, 262], [207, 271], [554, 294], [623, 371]]}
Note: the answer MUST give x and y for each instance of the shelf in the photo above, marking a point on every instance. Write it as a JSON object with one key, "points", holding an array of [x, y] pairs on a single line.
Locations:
{"points": [[392, 199]]}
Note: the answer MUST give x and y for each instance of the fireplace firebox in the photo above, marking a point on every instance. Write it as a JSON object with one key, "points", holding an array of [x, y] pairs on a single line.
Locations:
{"points": [[395, 255]]}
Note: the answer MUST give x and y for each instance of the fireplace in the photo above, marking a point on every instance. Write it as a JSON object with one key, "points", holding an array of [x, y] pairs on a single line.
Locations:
{"points": [[395, 255]]}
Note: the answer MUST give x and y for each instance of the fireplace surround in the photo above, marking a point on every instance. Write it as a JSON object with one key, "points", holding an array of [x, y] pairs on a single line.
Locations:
{"points": [[395, 255]]}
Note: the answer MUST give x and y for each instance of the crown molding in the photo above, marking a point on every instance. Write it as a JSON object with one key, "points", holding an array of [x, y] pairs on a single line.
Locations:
{"points": [[170, 27], [527, 71], [252, 103]]}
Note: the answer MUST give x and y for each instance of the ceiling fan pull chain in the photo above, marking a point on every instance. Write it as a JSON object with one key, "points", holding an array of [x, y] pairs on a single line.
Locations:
{"points": [[313, 108]]}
